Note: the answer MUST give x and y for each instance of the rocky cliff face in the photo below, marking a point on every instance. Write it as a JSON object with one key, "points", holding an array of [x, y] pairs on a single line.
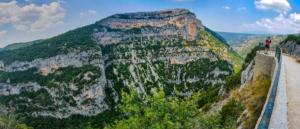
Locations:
{"points": [[291, 47], [83, 72], [160, 24]]}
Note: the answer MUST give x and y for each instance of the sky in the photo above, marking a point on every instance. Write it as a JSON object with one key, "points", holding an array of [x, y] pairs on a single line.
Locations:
{"points": [[27, 20]]}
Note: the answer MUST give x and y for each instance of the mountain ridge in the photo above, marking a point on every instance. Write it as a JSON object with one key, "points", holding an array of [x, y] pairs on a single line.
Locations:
{"points": [[83, 71]]}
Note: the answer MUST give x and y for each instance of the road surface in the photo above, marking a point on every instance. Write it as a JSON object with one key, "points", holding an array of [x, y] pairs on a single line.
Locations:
{"points": [[292, 72]]}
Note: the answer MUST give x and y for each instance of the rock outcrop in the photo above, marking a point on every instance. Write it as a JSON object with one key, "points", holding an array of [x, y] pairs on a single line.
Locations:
{"points": [[159, 24], [291, 47], [49, 65]]}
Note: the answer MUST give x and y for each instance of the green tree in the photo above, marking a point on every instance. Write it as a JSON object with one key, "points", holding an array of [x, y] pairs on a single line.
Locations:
{"points": [[160, 112], [9, 122]]}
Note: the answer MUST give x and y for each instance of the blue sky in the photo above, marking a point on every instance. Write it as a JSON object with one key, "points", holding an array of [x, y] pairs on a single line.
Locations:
{"points": [[26, 20]]}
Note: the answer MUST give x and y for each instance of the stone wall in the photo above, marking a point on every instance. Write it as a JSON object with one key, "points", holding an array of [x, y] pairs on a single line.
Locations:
{"points": [[247, 74], [264, 64]]}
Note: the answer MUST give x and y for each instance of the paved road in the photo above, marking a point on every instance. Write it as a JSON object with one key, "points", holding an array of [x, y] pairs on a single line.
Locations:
{"points": [[292, 71], [279, 118]]}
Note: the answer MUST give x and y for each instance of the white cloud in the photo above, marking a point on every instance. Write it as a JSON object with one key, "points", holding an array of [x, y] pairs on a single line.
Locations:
{"points": [[226, 7], [2, 33], [295, 17], [87, 13], [31, 17], [281, 6], [280, 24]]}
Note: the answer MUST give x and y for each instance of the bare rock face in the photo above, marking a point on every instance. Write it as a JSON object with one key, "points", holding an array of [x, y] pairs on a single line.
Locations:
{"points": [[49, 65], [159, 24], [291, 47]]}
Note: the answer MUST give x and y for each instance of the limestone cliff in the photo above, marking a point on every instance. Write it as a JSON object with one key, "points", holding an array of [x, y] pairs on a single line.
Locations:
{"points": [[158, 24], [291, 47], [83, 71]]}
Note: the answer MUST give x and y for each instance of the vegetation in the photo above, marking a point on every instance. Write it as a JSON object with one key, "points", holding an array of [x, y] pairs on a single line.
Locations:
{"points": [[218, 36], [8, 121], [75, 40], [20, 45], [60, 80], [11, 123], [221, 49], [165, 108], [251, 99], [246, 46], [234, 81], [62, 75], [250, 56], [73, 122], [161, 112], [155, 49], [293, 38], [230, 113], [253, 96], [156, 111]]}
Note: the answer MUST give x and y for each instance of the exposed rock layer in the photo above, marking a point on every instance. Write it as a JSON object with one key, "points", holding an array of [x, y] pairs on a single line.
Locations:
{"points": [[160, 24], [291, 47], [143, 51]]}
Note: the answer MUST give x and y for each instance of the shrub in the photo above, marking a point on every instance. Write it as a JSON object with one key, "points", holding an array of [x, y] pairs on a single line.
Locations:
{"points": [[253, 96], [161, 112], [295, 38], [235, 80], [9, 122], [230, 113]]}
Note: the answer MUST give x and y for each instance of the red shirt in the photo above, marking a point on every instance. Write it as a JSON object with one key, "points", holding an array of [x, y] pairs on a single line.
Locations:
{"points": [[268, 42]]}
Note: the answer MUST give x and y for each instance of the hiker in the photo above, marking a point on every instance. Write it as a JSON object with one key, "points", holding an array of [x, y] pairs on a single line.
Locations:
{"points": [[268, 43]]}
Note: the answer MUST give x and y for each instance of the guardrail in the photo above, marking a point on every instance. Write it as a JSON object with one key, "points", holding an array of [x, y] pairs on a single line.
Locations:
{"points": [[269, 104]]}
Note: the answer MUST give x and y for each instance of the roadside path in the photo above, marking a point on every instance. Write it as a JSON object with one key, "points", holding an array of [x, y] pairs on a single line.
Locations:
{"points": [[292, 71], [279, 118]]}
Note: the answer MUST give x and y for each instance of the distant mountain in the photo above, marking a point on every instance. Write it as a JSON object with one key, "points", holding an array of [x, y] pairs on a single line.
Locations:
{"points": [[236, 39], [244, 43], [19, 45], [76, 79]]}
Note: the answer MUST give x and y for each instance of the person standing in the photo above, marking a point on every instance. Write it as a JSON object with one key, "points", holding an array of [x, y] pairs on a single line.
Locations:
{"points": [[268, 43]]}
